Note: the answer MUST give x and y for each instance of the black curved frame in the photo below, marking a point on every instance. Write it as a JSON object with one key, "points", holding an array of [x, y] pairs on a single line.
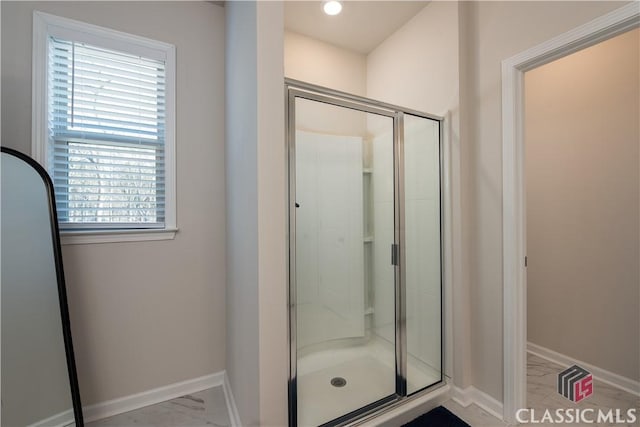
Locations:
{"points": [[62, 291]]}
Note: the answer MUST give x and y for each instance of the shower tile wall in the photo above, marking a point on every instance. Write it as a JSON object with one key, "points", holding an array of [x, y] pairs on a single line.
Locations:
{"points": [[329, 224]]}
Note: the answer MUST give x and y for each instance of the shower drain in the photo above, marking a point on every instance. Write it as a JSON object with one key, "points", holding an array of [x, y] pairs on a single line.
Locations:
{"points": [[338, 382]]}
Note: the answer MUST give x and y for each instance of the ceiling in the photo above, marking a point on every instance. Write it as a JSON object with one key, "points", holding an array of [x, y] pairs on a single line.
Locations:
{"points": [[361, 26]]}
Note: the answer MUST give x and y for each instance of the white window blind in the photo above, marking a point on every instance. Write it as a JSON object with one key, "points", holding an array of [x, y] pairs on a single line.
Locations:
{"points": [[106, 121]]}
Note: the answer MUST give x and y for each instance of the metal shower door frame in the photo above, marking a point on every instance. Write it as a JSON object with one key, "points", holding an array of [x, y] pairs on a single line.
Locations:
{"points": [[297, 89]]}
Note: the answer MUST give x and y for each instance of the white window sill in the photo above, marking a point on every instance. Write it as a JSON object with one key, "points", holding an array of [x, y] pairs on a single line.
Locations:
{"points": [[114, 236]]}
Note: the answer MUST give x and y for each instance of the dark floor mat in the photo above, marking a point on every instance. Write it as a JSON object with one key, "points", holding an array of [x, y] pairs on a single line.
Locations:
{"points": [[437, 417]]}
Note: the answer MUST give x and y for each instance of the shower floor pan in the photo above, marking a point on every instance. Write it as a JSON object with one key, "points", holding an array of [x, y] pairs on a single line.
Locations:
{"points": [[369, 372]]}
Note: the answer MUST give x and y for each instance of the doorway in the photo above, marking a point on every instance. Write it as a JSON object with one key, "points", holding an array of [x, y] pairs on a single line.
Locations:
{"points": [[582, 214], [514, 237]]}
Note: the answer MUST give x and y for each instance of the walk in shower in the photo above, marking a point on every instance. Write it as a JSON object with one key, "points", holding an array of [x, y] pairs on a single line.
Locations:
{"points": [[365, 276]]}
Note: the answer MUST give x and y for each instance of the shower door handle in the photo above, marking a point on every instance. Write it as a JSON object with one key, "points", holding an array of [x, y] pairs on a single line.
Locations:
{"points": [[394, 254]]}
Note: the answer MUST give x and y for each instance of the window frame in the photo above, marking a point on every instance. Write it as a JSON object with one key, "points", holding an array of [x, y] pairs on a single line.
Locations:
{"points": [[46, 25]]}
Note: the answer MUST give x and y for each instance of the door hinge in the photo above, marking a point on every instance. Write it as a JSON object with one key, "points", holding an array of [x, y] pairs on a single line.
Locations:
{"points": [[394, 254], [525, 261]]}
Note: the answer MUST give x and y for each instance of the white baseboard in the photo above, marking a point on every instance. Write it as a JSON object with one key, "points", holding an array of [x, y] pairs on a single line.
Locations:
{"points": [[623, 383], [234, 416], [469, 395], [151, 397], [62, 419], [462, 396]]}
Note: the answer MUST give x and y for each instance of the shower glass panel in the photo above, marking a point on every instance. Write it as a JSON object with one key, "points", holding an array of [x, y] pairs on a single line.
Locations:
{"points": [[344, 282], [422, 251]]}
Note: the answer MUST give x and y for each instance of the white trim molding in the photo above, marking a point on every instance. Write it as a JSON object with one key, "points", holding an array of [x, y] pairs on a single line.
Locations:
{"points": [[234, 415], [472, 395], [608, 377], [513, 186], [112, 236], [63, 419], [151, 397], [462, 396]]}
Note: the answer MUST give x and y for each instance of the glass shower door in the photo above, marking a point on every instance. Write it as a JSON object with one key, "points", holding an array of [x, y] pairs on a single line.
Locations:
{"points": [[365, 249], [342, 195]]}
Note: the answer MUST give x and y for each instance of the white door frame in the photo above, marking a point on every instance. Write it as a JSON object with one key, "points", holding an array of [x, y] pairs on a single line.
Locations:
{"points": [[513, 187]]}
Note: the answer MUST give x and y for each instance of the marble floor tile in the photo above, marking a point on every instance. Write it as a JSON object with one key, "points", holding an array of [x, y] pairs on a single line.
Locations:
{"points": [[205, 408], [542, 392], [542, 375]]}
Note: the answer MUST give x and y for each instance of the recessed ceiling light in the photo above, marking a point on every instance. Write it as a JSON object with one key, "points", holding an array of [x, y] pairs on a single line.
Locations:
{"points": [[332, 7]]}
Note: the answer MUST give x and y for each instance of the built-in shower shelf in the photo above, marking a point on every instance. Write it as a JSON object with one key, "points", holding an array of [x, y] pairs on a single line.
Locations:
{"points": [[368, 311], [368, 239], [367, 170]]}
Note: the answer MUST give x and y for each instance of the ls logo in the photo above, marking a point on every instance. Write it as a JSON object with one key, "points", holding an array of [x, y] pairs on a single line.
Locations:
{"points": [[575, 383]]}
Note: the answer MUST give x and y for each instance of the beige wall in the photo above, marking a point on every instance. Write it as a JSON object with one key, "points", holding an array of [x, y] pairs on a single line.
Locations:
{"points": [[324, 64], [495, 31], [427, 81], [582, 140], [312, 61], [145, 314]]}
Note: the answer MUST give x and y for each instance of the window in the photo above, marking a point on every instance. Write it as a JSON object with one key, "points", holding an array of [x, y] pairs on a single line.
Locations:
{"points": [[103, 129]]}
